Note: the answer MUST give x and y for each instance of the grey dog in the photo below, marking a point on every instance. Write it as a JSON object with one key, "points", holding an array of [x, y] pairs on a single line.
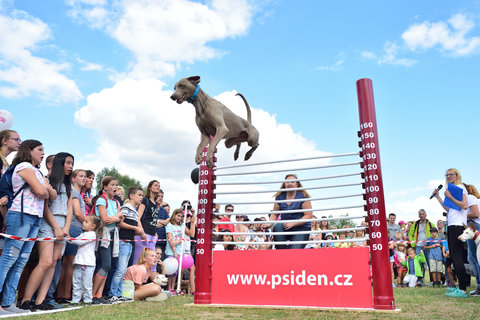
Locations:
{"points": [[214, 119]]}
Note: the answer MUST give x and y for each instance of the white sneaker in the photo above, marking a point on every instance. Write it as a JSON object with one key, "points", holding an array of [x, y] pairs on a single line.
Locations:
{"points": [[114, 300], [14, 309]]}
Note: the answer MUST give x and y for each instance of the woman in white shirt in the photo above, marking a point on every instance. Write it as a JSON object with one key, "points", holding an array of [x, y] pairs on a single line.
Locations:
{"points": [[456, 220], [23, 218]]}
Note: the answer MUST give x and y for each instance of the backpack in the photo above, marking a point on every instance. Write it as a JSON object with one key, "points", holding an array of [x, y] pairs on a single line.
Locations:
{"points": [[6, 187], [94, 203]]}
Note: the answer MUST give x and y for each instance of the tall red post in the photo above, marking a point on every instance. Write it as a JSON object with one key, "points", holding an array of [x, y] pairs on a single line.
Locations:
{"points": [[203, 277], [380, 258]]}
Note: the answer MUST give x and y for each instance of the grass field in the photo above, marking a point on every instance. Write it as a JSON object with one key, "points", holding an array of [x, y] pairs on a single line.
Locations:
{"points": [[417, 303]]}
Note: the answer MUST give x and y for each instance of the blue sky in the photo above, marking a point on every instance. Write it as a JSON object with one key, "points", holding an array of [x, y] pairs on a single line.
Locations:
{"points": [[93, 77]]}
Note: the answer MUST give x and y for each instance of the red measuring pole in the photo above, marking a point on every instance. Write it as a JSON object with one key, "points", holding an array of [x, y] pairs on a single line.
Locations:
{"points": [[380, 258], [203, 277]]}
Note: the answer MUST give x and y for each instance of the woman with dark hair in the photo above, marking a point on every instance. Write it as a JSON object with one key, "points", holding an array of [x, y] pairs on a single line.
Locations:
{"points": [[294, 199], [147, 217], [86, 191], [456, 220], [56, 224], [23, 218]]}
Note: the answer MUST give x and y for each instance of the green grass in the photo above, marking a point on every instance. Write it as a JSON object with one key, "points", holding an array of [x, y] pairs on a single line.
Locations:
{"points": [[416, 303]]}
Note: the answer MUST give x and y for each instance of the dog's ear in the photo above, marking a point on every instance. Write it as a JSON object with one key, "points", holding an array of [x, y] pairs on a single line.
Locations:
{"points": [[472, 226], [194, 79]]}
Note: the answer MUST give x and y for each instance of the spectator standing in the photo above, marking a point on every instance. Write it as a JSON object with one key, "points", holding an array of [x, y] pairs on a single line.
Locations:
{"points": [[419, 232], [163, 215], [226, 218], [86, 192], [456, 220], [392, 227], [56, 224], [442, 231], [128, 228], [23, 223], [147, 215], [436, 257]]}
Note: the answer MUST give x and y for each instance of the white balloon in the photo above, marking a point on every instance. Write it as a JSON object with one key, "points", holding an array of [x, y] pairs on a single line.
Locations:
{"points": [[6, 120], [171, 265]]}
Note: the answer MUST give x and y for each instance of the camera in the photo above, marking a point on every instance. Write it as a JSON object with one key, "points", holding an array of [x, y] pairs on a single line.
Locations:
{"points": [[189, 207], [445, 214]]}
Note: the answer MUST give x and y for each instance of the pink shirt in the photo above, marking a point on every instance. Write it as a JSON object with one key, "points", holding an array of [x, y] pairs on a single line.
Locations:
{"points": [[138, 273], [32, 204]]}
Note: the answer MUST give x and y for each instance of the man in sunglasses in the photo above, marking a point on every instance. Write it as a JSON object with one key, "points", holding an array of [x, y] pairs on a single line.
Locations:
{"points": [[226, 218]]}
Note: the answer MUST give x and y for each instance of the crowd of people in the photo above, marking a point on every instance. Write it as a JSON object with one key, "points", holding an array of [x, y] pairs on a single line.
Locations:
{"points": [[120, 236], [421, 245]]}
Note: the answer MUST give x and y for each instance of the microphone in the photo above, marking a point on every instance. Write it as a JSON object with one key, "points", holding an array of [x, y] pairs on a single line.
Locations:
{"points": [[438, 189]]}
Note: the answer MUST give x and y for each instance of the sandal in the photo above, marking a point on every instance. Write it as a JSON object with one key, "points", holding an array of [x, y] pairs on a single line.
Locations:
{"points": [[173, 292]]}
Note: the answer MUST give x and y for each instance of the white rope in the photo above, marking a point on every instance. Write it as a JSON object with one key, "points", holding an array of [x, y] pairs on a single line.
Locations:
{"points": [[220, 183], [289, 170], [290, 160], [291, 189], [290, 242], [292, 200], [287, 221], [288, 232]]}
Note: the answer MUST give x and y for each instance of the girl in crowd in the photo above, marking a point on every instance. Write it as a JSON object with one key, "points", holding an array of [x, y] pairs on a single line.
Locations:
{"points": [[291, 200], [84, 262], [456, 220], [147, 216], [23, 221], [86, 191], [10, 142], [108, 209], [56, 224], [64, 288], [175, 245], [225, 238], [324, 225], [128, 228], [141, 272]]}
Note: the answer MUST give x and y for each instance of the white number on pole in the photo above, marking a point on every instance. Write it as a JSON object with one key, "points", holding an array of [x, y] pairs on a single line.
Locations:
{"points": [[377, 246], [376, 235]]}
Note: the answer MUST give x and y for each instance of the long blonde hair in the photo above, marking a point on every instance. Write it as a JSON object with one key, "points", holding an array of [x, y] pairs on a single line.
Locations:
{"points": [[145, 251], [299, 185], [458, 180]]}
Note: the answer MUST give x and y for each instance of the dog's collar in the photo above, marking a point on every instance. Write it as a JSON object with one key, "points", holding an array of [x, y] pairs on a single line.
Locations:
{"points": [[476, 235], [192, 98]]}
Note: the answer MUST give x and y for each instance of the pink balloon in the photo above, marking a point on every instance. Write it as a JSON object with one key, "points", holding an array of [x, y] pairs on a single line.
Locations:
{"points": [[187, 261]]}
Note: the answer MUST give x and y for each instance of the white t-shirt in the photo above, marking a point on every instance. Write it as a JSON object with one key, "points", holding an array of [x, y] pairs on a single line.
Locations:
{"points": [[32, 204], [86, 248], [471, 201], [176, 232], [455, 217]]}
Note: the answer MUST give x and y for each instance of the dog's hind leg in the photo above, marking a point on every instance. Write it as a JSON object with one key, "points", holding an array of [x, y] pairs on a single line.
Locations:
{"points": [[250, 152], [237, 151]]}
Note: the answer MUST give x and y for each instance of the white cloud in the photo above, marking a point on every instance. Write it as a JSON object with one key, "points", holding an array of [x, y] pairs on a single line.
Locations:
{"points": [[450, 36], [162, 34], [337, 66], [21, 72], [389, 56], [143, 133]]}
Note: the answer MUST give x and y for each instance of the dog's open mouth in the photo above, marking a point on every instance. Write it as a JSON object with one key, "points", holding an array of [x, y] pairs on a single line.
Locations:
{"points": [[181, 99]]}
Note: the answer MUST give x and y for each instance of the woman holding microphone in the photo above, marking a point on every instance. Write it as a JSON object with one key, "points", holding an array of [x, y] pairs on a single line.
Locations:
{"points": [[456, 220]]}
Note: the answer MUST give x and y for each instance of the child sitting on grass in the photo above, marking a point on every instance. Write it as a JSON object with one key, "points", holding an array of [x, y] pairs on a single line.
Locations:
{"points": [[414, 271]]}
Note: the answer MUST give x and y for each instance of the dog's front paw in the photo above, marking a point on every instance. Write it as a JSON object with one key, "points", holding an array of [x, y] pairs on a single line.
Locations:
{"points": [[198, 159]]}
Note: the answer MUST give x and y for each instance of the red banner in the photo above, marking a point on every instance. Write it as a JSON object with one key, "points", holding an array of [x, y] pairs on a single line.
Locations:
{"points": [[327, 277]]}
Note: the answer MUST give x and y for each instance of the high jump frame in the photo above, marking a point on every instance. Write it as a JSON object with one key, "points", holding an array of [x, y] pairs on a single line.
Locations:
{"points": [[381, 281]]}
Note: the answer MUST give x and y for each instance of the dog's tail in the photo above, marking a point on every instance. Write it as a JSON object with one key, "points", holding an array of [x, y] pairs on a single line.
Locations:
{"points": [[249, 113]]}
